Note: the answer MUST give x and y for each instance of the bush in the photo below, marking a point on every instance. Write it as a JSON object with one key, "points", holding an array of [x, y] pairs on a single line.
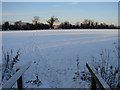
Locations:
{"points": [[107, 71], [110, 73], [8, 64]]}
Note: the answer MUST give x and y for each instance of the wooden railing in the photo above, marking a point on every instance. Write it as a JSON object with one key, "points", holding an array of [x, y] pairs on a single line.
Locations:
{"points": [[17, 77], [96, 79]]}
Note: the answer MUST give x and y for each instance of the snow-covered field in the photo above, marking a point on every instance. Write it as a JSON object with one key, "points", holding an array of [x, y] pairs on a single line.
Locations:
{"points": [[53, 53]]}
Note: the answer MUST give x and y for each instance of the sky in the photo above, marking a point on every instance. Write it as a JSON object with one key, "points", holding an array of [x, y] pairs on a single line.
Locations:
{"points": [[65, 11]]}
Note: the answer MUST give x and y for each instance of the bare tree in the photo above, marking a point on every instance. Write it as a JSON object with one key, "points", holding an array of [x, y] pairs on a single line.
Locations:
{"points": [[6, 25], [36, 20], [51, 21], [18, 25]]}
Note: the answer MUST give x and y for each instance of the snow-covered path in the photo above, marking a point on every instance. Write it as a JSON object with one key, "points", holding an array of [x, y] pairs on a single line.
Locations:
{"points": [[54, 53]]}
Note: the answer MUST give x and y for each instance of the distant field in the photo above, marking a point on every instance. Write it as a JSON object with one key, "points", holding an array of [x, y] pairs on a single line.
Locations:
{"points": [[56, 51]]}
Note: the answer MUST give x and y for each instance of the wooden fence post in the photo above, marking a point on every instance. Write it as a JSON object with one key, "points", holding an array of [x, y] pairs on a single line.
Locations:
{"points": [[97, 82], [93, 83], [19, 82], [17, 77]]}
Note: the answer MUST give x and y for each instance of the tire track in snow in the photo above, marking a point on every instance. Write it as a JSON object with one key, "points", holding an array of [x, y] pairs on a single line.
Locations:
{"points": [[71, 39], [76, 42]]}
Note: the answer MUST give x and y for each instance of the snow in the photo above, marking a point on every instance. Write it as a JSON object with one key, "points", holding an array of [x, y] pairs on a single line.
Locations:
{"points": [[54, 52], [13, 80]]}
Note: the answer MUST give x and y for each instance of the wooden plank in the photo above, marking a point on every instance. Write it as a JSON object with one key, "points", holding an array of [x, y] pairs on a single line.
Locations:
{"points": [[98, 79], [16, 76]]}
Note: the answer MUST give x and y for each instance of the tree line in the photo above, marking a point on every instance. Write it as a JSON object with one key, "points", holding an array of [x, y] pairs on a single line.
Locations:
{"points": [[36, 25]]}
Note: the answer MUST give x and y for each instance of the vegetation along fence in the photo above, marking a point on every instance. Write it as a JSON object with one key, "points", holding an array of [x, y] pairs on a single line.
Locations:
{"points": [[96, 79], [17, 77]]}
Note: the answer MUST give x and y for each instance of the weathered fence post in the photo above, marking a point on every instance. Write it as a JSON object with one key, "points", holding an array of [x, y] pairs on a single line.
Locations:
{"points": [[93, 83], [17, 77], [19, 82], [97, 82]]}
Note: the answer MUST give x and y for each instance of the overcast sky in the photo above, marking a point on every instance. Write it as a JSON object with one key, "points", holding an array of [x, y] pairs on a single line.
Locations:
{"points": [[65, 11]]}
